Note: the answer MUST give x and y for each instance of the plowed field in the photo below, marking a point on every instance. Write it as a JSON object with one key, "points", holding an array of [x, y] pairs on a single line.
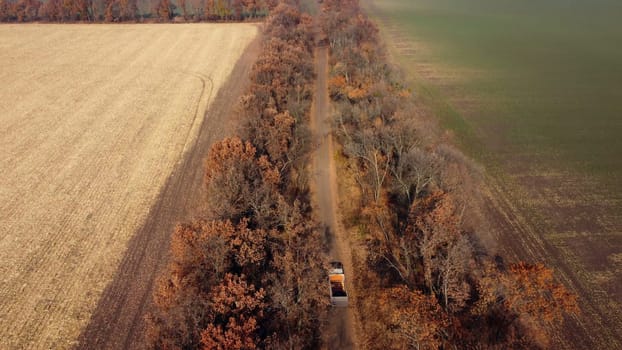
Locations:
{"points": [[93, 120]]}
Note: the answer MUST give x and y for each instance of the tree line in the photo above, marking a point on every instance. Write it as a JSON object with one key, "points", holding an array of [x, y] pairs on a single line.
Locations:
{"points": [[424, 281], [251, 273], [132, 10]]}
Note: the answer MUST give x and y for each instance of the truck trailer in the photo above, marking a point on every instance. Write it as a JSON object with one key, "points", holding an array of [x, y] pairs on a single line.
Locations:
{"points": [[337, 279]]}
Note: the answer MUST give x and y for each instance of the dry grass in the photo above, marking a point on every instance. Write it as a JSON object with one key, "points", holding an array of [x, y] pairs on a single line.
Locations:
{"points": [[93, 119]]}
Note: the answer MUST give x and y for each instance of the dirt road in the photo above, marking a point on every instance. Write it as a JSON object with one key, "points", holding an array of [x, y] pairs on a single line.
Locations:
{"points": [[342, 322], [118, 321]]}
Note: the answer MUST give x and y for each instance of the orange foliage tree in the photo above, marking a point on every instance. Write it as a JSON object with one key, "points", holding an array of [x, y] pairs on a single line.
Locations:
{"points": [[253, 274], [414, 320], [240, 184], [234, 310], [522, 304], [203, 253]]}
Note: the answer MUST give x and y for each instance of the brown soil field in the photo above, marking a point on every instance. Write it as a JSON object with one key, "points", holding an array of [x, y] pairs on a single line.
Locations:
{"points": [[93, 121]]}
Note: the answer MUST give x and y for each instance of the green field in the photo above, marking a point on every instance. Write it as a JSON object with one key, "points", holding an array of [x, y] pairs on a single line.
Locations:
{"points": [[532, 89], [543, 75]]}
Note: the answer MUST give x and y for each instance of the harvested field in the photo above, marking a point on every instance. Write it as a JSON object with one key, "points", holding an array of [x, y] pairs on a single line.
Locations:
{"points": [[93, 120]]}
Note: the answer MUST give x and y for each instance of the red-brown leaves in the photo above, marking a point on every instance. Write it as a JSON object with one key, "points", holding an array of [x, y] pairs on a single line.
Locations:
{"points": [[235, 307], [210, 248], [202, 253], [287, 23], [226, 155], [20, 10], [522, 304], [236, 334], [357, 93], [239, 184], [254, 276], [336, 87], [249, 247], [416, 320], [279, 99], [283, 67], [531, 291], [200, 246]]}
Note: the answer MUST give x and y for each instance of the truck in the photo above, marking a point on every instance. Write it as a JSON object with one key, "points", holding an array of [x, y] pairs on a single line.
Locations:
{"points": [[337, 279]]}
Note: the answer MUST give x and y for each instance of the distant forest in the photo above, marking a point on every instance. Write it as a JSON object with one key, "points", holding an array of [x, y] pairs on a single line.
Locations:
{"points": [[132, 10]]}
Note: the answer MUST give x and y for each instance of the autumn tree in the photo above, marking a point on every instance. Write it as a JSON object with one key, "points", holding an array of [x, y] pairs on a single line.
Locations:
{"points": [[273, 134], [84, 9], [128, 10], [199, 259], [414, 320], [278, 72], [532, 291], [252, 274], [287, 23], [4, 11], [234, 311], [277, 106], [415, 169], [19, 11], [370, 153], [202, 253], [523, 303], [445, 250], [165, 10], [291, 266], [222, 9], [184, 9], [111, 12], [237, 8], [209, 11], [240, 184], [252, 7], [430, 252], [52, 10], [298, 289]]}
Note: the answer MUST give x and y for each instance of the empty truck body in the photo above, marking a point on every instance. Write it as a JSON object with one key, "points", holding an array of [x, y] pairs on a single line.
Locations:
{"points": [[337, 279]]}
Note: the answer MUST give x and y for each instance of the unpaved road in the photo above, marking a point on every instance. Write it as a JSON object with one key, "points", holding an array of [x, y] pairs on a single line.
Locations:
{"points": [[341, 331], [118, 321]]}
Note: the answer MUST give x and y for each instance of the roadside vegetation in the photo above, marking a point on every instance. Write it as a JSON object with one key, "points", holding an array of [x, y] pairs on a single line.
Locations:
{"points": [[416, 208], [132, 10], [252, 273]]}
